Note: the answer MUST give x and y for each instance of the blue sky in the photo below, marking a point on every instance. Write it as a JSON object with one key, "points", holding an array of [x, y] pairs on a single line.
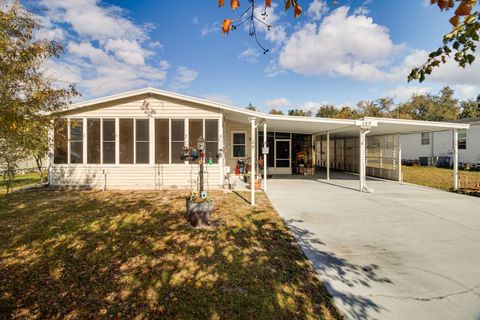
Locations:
{"points": [[354, 51]]}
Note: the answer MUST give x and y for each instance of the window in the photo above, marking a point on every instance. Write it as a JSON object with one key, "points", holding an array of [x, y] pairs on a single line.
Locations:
{"points": [[462, 139], [93, 141], [425, 138], [126, 141], [108, 141], [142, 134], [178, 139], [195, 131], [60, 151], [76, 141], [211, 138], [161, 141], [238, 144]]}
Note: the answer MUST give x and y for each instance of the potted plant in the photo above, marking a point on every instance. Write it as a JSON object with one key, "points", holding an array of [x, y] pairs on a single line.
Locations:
{"points": [[199, 210], [248, 181], [199, 206]]}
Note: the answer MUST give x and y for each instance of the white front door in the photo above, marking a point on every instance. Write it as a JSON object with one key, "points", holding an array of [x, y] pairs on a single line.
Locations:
{"points": [[282, 156]]}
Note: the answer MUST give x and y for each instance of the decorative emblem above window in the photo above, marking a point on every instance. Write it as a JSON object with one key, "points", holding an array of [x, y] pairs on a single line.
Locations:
{"points": [[147, 109]]}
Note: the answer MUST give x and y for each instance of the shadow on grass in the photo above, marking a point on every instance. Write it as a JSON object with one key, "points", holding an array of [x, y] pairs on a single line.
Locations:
{"points": [[86, 254]]}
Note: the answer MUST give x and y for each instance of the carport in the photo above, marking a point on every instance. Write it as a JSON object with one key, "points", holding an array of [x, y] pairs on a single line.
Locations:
{"points": [[403, 252], [368, 146]]}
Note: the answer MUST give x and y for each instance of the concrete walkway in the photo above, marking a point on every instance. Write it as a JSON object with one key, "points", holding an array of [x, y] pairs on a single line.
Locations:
{"points": [[402, 252]]}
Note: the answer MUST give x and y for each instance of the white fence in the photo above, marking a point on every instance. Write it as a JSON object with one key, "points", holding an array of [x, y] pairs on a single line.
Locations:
{"points": [[382, 152]]}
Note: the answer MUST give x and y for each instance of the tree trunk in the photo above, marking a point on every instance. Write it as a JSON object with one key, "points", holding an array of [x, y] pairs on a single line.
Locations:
{"points": [[10, 173], [38, 160]]}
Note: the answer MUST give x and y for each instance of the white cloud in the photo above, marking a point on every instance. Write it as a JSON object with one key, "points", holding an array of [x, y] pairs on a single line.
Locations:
{"points": [[195, 20], [312, 106], [218, 97], [90, 20], [127, 51], [274, 31], [341, 45], [62, 73], [273, 69], [317, 9], [164, 64], [465, 80], [278, 103], [106, 51], [465, 91], [210, 28], [250, 55], [183, 78], [404, 93]]}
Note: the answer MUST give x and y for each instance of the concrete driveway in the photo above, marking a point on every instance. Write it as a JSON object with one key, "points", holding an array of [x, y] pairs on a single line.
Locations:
{"points": [[402, 252]]}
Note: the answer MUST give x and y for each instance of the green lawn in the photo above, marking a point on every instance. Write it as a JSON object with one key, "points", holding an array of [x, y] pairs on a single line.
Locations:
{"points": [[91, 254], [22, 180], [439, 177]]}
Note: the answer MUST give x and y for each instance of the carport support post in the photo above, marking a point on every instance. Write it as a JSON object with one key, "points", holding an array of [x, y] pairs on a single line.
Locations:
{"points": [[328, 155], [455, 159], [252, 156], [265, 156], [363, 132]]}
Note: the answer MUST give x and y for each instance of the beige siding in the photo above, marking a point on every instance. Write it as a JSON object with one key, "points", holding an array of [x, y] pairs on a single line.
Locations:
{"points": [[132, 108], [231, 127], [134, 176]]}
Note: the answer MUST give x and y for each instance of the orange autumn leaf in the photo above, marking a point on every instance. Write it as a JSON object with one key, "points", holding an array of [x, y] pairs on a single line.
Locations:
{"points": [[221, 3], [234, 4], [443, 4], [287, 5], [268, 3], [226, 25], [455, 20], [463, 9], [298, 11]]}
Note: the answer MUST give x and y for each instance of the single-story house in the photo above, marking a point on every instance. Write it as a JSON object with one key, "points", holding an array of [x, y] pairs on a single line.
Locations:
{"points": [[135, 140], [430, 146]]}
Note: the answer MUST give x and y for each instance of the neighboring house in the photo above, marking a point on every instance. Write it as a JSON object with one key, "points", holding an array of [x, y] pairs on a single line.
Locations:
{"points": [[432, 145], [135, 140]]}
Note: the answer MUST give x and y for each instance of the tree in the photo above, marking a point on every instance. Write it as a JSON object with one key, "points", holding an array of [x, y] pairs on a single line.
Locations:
{"points": [[347, 112], [28, 98], [251, 107], [432, 107], [459, 44], [404, 110], [299, 113], [470, 109], [378, 108], [275, 111], [327, 111]]}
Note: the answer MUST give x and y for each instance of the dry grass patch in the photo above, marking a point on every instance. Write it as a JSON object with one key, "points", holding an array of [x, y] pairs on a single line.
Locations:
{"points": [[87, 254]]}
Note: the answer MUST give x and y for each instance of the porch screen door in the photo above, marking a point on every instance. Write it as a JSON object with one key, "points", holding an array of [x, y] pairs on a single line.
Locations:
{"points": [[282, 156]]}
